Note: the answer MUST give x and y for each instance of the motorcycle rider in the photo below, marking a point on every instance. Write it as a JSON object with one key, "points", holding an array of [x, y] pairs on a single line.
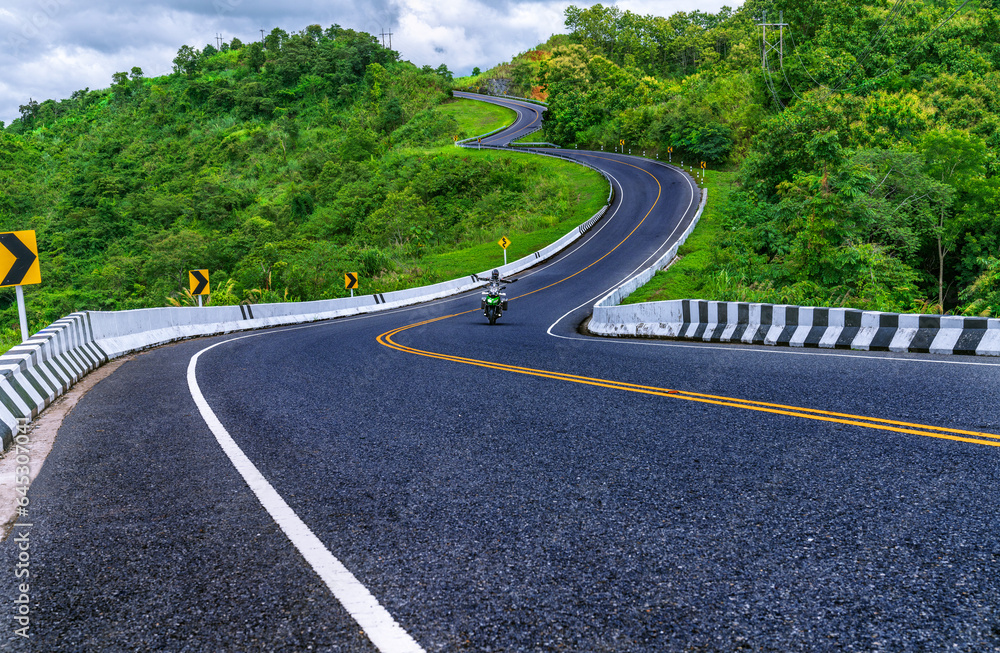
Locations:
{"points": [[496, 278], [494, 287]]}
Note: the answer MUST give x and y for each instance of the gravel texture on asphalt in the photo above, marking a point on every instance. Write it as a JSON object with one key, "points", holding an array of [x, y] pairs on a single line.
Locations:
{"points": [[490, 510]]}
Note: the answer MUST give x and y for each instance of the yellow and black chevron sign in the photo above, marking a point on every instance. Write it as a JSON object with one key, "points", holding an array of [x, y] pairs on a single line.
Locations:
{"points": [[19, 259], [199, 282]]}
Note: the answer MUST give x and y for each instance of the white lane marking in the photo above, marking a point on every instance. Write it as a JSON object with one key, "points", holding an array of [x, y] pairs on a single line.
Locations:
{"points": [[580, 242], [641, 266], [738, 347], [387, 635]]}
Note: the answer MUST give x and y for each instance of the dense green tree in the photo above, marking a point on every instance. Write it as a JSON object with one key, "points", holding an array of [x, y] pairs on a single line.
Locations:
{"points": [[956, 159], [186, 60]]}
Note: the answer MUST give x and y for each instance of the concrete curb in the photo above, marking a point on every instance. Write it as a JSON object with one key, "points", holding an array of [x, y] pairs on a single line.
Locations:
{"points": [[44, 367], [801, 326], [35, 373]]}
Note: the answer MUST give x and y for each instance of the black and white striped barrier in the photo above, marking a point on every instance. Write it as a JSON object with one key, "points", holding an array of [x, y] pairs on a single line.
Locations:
{"points": [[801, 326], [43, 367]]}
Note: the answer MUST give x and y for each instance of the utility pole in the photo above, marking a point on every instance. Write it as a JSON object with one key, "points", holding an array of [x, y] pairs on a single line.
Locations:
{"points": [[383, 35], [262, 37], [771, 46], [778, 46]]}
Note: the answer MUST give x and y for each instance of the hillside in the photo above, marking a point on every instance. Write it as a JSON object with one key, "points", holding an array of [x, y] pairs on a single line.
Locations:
{"points": [[866, 148], [278, 166]]}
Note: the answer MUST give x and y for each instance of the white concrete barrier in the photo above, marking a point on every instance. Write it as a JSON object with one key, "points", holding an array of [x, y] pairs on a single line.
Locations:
{"points": [[45, 366], [800, 326]]}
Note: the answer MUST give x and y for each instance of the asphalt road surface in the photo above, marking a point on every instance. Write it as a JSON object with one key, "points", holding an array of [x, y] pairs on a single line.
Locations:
{"points": [[520, 487]]}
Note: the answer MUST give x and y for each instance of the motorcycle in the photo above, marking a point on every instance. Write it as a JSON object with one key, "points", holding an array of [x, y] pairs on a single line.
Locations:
{"points": [[494, 301]]}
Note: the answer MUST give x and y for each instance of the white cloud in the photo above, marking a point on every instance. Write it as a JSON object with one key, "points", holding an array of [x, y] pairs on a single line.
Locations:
{"points": [[434, 33], [50, 48]]}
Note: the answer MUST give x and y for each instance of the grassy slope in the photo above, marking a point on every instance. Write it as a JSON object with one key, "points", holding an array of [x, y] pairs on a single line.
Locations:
{"points": [[476, 118], [585, 189], [575, 194]]}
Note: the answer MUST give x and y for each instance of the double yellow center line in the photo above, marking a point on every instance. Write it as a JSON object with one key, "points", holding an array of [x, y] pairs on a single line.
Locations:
{"points": [[973, 437]]}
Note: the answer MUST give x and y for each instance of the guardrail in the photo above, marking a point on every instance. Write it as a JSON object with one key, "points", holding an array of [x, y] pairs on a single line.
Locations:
{"points": [[801, 326], [36, 372]]}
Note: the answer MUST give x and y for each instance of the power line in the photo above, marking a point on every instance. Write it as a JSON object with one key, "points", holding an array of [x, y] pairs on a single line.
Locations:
{"points": [[839, 85], [788, 83], [795, 49], [770, 83], [767, 47], [924, 40], [869, 49]]}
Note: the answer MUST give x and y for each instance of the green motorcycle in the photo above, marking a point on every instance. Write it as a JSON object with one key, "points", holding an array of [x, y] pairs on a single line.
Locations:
{"points": [[494, 301]]}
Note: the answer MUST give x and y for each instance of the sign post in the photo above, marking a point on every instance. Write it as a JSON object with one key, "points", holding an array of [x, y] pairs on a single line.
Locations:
{"points": [[19, 265], [350, 281], [505, 243], [199, 283], [670, 154], [22, 313]]}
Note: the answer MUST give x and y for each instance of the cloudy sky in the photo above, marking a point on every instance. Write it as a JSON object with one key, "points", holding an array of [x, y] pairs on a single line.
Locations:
{"points": [[50, 48]]}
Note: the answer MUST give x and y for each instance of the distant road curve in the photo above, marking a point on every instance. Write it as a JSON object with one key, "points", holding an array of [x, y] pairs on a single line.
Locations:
{"points": [[529, 118]]}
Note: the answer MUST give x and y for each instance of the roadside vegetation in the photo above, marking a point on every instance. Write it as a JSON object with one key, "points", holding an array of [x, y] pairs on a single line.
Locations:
{"points": [[278, 167], [859, 169], [474, 118], [865, 159]]}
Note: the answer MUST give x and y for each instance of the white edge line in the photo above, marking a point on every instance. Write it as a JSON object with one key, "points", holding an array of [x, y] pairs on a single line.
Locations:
{"points": [[376, 622], [734, 347], [642, 266]]}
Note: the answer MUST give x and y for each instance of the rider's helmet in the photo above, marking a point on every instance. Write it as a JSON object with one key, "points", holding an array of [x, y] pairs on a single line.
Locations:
{"points": [[496, 275]]}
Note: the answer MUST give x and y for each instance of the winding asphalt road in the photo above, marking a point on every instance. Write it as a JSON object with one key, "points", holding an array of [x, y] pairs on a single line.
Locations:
{"points": [[521, 487]]}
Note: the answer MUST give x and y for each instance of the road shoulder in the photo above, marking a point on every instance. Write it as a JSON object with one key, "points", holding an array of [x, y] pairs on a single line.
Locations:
{"points": [[41, 436]]}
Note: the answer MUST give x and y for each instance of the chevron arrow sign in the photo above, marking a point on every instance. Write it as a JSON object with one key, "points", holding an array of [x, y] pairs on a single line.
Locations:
{"points": [[19, 259], [199, 282]]}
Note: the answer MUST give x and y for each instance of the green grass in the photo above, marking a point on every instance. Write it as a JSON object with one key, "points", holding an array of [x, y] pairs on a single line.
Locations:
{"points": [[578, 194], [568, 195], [476, 118], [9, 337], [686, 278], [538, 137]]}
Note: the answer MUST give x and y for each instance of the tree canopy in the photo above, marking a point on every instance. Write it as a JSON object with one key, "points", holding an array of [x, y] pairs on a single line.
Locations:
{"points": [[277, 166], [867, 140]]}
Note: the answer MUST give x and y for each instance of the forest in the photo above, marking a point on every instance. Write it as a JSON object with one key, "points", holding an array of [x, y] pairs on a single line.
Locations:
{"points": [[276, 165], [864, 138], [862, 141]]}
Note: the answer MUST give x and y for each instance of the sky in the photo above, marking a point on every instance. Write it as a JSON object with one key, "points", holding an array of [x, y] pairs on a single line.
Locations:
{"points": [[51, 48]]}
